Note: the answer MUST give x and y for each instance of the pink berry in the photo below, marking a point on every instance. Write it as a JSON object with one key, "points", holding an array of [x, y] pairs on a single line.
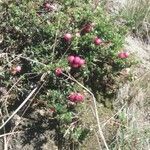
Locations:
{"points": [[76, 97], [82, 62], [76, 60], [71, 97], [71, 58], [97, 41], [67, 37], [18, 69], [79, 97], [75, 65], [126, 54], [123, 55], [58, 71]]}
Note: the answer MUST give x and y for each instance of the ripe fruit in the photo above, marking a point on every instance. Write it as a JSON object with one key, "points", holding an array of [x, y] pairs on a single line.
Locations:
{"points": [[126, 54], [79, 97], [70, 58], [82, 62], [123, 55], [76, 97], [75, 61], [97, 41], [58, 71], [71, 97], [67, 37], [75, 65]]}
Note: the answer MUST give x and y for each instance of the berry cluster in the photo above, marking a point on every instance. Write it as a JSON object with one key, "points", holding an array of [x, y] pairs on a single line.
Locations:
{"points": [[77, 62]]}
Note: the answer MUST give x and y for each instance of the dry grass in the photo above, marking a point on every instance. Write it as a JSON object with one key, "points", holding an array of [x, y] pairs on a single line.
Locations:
{"points": [[137, 14], [134, 130]]}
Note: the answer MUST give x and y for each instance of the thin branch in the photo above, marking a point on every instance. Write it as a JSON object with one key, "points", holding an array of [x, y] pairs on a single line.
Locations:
{"points": [[10, 133], [5, 138], [22, 104], [24, 112], [96, 110]]}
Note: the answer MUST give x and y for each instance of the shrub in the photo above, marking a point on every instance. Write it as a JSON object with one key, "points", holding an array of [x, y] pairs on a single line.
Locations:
{"points": [[42, 39]]}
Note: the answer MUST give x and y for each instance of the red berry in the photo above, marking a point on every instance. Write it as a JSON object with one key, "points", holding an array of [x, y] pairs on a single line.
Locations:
{"points": [[97, 41], [75, 65], [18, 69], [58, 71], [79, 97], [67, 37], [123, 55], [76, 60], [82, 62], [71, 97], [126, 54], [76, 97], [71, 58]]}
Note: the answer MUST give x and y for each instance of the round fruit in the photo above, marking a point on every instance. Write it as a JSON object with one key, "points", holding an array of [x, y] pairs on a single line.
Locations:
{"points": [[58, 71], [71, 58], [76, 60], [75, 65], [126, 54], [82, 62], [97, 41], [79, 97], [71, 97], [76, 97], [67, 37]]}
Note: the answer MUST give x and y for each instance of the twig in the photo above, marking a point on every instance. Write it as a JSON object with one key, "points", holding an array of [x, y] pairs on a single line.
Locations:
{"points": [[5, 139], [22, 104], [24, 112], [98, 140], [96, 111], [71, 125], [6, 134], [115, 114], [17, 56], [34, 61]]}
